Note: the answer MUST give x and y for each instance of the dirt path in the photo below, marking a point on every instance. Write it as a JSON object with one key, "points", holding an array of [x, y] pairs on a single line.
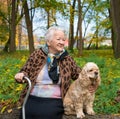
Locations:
{"points": [[15, 115], [95, 117]]}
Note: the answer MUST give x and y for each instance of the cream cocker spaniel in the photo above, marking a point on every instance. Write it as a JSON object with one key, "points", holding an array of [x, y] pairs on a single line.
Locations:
{"points": [[78, 96]]}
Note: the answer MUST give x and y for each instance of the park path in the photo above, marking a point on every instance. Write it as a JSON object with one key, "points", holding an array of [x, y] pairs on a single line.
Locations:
{"points": [[15, 115]]}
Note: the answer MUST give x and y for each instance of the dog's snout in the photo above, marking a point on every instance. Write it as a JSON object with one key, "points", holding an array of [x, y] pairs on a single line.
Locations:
{"points": [[96, 73]]}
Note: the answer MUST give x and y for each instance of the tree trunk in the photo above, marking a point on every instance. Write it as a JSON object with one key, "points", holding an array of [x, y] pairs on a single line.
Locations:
{"points": [[6, 48], [19, 35], [71, 30], [88, 48], [112, 33], [80, 42], [12, 46], [48, 17], [115, 9], [96, 45], [29, 27]]}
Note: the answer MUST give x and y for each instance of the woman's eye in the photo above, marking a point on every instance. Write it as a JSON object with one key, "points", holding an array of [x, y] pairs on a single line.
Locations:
{"points": [[60, 39]]}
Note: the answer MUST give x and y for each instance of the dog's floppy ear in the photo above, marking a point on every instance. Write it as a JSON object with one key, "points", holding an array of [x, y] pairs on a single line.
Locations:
{"points": [[84, 73], [83, 77]]}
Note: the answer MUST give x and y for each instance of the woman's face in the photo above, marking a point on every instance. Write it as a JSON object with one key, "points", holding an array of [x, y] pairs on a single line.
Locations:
{"points": [[57, 43]]}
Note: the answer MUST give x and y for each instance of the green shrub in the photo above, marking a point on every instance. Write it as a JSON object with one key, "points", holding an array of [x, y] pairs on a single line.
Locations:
{"points": [[104, 100], [10, 64]]}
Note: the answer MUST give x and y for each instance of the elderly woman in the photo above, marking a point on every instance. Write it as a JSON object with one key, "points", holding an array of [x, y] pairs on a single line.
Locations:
{"points": [[50, 70]]}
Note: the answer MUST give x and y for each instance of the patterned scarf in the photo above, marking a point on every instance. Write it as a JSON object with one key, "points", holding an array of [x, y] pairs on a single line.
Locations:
{"points": [[52, 62]]}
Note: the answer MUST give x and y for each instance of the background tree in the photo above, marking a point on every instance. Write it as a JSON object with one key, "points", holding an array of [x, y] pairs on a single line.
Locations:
{"points": [[29, 25], [80, 38], [71, 27], [19, 29], [5, 20], [115, 9], [11, 18], [4, 31], [93, 14], [12, 46], [97, 16]]}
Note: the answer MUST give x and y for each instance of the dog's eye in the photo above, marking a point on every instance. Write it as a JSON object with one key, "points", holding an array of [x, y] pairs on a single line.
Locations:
{"points": [[90, 70]]}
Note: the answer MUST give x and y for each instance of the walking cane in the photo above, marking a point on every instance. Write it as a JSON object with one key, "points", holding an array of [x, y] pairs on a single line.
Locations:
{"points": [[26, 97]]}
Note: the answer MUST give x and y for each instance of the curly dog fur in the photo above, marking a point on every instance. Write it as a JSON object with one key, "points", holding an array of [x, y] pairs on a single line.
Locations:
{"points": [[78, 96]]}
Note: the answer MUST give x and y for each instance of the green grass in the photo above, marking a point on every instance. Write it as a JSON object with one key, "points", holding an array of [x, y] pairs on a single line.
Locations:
{"points": [[10, 64]]}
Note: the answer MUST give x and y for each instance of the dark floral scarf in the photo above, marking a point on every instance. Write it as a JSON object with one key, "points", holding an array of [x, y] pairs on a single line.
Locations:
{"points": [[52, 62]]}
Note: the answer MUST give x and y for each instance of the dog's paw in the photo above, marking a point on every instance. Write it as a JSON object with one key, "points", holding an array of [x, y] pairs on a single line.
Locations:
{"points": [[69, 109], [80, 115], [90, 112]]}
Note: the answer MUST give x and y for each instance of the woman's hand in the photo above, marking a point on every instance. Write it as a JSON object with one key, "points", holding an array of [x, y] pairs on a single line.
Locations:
{"points": [[19, 77]]}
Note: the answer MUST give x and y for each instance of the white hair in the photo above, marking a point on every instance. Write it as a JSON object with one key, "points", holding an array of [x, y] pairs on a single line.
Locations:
{"points": [[51, 31]]}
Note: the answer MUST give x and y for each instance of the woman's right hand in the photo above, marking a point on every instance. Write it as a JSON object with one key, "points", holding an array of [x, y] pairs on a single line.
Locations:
{"points": [[19, 77]]}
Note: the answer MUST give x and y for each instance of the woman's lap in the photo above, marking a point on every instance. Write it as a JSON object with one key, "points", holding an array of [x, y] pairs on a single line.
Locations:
{"points": [[44, 108]]}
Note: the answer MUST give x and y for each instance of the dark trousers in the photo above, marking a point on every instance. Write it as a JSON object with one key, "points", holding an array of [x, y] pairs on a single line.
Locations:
{"points": [[43, 108]]}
